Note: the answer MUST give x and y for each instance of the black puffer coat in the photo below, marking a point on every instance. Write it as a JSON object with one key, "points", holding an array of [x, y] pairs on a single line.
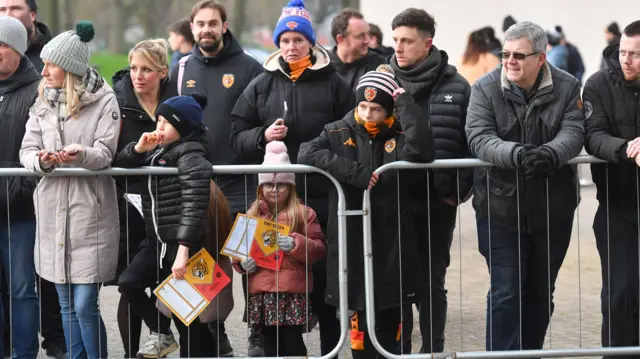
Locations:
{"points": [[135, 122], [179, 203], [612, 114], [317, 98], [346, 151]]}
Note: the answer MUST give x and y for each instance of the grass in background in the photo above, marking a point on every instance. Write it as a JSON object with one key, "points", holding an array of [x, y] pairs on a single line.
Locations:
{"points": [[108, 64]]}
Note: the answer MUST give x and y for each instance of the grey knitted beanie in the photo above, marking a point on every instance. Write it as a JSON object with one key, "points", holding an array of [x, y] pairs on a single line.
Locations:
{"points": [[70, 50], [13, 33]]}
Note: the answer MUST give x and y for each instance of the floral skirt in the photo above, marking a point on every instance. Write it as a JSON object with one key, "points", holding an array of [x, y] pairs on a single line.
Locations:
{"points": [[278, 309]]}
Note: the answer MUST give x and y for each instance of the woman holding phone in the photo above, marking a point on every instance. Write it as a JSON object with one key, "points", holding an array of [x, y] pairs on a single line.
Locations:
{"points": [[299, 93]]}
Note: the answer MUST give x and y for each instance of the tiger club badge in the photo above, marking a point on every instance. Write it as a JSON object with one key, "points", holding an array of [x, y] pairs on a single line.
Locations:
{"points": [[390, 145], [370, 93], [228, 80], [206, 275]]}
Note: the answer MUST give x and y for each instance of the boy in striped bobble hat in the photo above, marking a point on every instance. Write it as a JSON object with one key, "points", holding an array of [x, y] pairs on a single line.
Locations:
{"points": [[386, 126]]}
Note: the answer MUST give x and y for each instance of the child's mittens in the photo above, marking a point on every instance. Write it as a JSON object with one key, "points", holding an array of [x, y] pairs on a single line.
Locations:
{"points": [[286, 243], [249, 265]]}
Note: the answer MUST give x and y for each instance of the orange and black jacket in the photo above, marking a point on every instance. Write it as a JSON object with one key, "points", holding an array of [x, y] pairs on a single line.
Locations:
{"points": [[346, 151]]}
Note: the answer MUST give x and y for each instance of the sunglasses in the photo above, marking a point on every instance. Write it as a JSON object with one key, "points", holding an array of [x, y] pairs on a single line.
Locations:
{"points": [[280, 187], [516, 55]]}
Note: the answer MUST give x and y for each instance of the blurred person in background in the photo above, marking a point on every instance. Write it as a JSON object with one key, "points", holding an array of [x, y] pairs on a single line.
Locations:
{"points": [[375, 41], [490, 34], [612, 35], [180, 40], [575, 65], [139, 88], [18, 90], [39, 34], [423, 70], [507, 22], [557, 54], [477, 59], [612, 111], [351, 54]]}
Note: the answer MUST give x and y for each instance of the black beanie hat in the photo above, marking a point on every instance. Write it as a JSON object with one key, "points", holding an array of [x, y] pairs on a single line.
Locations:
{"points": [[184, 113], [378, 86]]}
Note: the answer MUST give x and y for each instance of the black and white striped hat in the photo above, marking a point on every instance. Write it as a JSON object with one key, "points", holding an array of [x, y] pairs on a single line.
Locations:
{"points": [[378, 86]]}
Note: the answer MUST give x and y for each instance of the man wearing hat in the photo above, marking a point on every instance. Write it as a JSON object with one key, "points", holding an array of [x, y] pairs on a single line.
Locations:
{"points": [[18, 90], [38, 34]]}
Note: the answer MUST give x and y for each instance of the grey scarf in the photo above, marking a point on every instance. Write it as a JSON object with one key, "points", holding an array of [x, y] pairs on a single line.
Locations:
{"points": [[91, 82], [420, 77]]}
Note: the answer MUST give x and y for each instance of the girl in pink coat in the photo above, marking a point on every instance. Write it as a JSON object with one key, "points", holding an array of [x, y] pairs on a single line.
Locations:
{"points": [[278, 301]]}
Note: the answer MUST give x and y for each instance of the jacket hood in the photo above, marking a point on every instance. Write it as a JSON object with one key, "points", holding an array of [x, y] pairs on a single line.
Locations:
{"points": [[123, 87], [610, 56], [323, 60], [24, 75], [231, 48], [43, 36]]}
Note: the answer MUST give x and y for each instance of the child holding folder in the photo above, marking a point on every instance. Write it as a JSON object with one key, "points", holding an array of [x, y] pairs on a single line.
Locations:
{"points": [[278, 300]]}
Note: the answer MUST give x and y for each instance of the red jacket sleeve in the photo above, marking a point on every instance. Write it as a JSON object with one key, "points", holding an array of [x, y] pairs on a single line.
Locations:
{"points": [[310, 248]]}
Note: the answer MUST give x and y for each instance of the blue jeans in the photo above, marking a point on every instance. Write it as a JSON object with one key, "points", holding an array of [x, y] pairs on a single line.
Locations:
{"points": [[20, 270], [84, 332], [520, 301]]}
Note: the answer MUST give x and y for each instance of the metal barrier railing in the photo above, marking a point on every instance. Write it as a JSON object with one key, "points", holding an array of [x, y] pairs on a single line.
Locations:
{"points": [[234, 170], [369, 279], [367, 245]]}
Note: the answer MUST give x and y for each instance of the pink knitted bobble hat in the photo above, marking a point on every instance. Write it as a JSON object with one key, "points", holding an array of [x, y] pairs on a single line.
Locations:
{"points": [[276, 154]]}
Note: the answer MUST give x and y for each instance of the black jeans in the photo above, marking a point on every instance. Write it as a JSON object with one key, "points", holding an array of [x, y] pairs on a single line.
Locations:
{"points": [[144, 272], [387, 323], [283, 340], [130, 327], [433, 301], [523, 268], [616, 232]]}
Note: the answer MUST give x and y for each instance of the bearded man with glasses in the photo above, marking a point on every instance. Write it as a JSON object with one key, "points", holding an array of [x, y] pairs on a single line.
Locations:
{"points": [[525, 117]]}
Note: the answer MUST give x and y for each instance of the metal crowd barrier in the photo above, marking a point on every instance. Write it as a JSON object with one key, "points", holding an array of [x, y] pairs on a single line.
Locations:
{"points": [[368, 255], [370, 280], [218, 171]]}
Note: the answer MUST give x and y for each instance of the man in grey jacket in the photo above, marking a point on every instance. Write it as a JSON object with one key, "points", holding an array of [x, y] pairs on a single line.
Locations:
{"points": [[526, 119], [18, 90]]}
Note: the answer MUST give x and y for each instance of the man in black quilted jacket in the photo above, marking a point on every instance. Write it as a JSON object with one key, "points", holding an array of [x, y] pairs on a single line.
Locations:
{"points": [[612, 111], [443, 94]]}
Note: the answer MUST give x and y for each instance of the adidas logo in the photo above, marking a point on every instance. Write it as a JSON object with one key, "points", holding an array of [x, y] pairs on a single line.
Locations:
{"points": [[448, 98]]}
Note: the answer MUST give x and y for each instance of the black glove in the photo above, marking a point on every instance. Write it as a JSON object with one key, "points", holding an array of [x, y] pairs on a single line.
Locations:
{"points": [[526, 155], [542, 164]]}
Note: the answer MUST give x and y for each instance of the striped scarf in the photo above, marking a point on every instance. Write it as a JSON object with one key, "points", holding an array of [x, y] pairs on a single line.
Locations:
{"points": [[91, 82]]}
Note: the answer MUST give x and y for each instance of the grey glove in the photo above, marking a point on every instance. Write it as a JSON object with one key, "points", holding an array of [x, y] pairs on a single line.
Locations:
{"points": [[286, 243], [249, 265], [350, 312]]}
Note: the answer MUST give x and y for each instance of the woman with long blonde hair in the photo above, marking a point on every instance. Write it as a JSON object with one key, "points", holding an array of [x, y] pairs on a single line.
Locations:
{"points": [[140, 87], [74, 123]]}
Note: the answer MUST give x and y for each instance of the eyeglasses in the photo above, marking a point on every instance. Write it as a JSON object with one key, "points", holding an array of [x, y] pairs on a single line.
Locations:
{"points": [[281, 187], [516, 55]]}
